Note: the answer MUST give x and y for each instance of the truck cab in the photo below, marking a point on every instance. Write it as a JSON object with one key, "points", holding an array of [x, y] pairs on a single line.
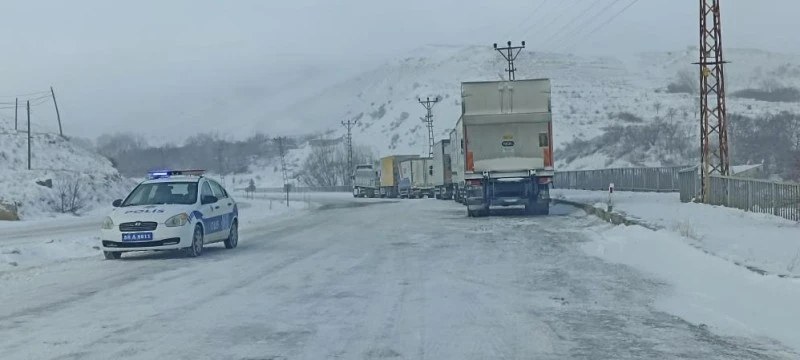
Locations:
{"points": [[366, 181]]}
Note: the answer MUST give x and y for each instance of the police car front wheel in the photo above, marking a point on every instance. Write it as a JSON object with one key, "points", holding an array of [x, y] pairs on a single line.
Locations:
{"points": [[233, 238], [196, 248]]}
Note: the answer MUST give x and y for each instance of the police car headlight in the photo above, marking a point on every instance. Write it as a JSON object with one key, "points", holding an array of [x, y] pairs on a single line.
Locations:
{"points": [[108, 224], [177, 220]]}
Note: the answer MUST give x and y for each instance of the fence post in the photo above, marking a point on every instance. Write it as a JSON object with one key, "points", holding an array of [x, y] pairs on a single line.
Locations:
{"points": [[658, 180], [774, 199], [728, 182], [749, 195]]}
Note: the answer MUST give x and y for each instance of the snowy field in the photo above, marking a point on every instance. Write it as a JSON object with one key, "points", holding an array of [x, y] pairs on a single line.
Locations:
{"points": [[379, 279], [761, 241], [35, 243]]}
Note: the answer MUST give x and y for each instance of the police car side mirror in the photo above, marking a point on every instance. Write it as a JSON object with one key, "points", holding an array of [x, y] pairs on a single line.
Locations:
{"points": [[117, 203], [208, 199]]}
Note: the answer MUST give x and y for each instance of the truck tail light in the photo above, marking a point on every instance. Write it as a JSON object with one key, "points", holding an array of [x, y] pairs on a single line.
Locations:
{"points": [[473, 182], [470, 163], [545, 180], [548, 157]]}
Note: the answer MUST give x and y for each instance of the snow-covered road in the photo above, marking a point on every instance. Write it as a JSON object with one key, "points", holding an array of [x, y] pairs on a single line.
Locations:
{"points": [[361, 280]]}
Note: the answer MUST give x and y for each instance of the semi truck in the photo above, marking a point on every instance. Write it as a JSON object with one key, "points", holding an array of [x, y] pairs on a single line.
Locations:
{"points": [[505, 137], [457, 162], [441, 171], [390, 175], [415, 178], [366, 181]]}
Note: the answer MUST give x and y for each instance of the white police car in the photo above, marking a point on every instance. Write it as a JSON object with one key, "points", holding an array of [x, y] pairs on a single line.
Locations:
{"points": [[173, 210]]}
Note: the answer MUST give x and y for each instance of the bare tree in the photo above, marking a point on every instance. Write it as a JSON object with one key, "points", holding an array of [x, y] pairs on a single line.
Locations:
{"points": [[69, 195], [326, 166], [657, 106], [671, 112]]}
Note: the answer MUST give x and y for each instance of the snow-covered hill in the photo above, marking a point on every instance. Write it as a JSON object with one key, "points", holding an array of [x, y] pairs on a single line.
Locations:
{"points": [[588, 93], [57, 165]]}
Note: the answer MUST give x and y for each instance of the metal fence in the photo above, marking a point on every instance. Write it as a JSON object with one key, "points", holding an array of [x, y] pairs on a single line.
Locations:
{"points": [[655, 179], [758, 196], [300, 189], [689, 180]]}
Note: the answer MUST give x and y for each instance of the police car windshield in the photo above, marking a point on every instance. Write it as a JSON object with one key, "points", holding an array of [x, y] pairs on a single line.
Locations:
{"points": [[181, 193]]}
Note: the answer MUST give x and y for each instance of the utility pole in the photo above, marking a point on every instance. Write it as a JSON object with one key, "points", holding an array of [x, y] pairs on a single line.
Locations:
{"points": [[28, 106], [510, 54], [713, 112], [428, 120], [349, 124], [58, 114], [282, 151], [16, 107]]}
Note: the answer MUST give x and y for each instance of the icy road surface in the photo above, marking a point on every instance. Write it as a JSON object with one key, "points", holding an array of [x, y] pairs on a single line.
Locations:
{"points": [[360, 280]]}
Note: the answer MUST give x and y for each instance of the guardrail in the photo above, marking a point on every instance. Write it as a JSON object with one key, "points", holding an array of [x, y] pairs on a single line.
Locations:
{"points": [[758, 196], [655, 179], [304, 189]]}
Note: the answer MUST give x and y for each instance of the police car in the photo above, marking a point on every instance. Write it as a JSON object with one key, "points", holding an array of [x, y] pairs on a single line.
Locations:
{"points": [[172, 210]]}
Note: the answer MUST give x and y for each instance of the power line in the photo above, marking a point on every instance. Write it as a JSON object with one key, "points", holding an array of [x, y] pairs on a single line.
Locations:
{"points": [[572, 35], [601, 26], [568, 25], [27, 94], [527, 19], [554, 20]]}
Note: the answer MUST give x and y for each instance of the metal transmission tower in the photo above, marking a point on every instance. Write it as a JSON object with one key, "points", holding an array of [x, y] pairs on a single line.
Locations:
{"points": [[349, 126], [510, 54], [713, 121], [281, 140], [428, 120]]}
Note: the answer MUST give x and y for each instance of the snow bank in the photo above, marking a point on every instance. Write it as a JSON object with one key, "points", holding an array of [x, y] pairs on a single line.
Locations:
{"points": [[40, 242], [706, 290], [56, 164], [762, 241]]}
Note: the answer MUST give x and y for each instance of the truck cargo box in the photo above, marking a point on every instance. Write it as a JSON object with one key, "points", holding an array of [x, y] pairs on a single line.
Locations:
{"points": [[507, 128]]}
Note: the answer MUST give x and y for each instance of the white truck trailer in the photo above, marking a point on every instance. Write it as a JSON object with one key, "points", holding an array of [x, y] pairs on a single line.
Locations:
{"points": [[416, 178], [507, 145], [440, 171], [457, 162], [366, 181]]}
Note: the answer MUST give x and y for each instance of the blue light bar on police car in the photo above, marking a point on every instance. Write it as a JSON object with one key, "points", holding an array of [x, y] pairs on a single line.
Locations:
{"points": [[160, 174]]}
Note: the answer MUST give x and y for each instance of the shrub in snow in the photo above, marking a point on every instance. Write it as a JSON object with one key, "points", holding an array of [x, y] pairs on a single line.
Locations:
{"points": [[69, 195], [684, 83], [785, 94]]}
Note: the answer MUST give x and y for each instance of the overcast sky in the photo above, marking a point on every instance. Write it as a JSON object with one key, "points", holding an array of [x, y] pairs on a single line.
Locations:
{"points": [[113, 61]]}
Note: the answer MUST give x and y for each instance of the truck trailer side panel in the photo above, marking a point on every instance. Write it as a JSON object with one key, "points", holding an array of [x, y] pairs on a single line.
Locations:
{"points": [[390, 174]]}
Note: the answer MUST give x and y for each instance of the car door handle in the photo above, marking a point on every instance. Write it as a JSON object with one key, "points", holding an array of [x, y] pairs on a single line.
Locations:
{"points": [[230, 204], [216, 207]]}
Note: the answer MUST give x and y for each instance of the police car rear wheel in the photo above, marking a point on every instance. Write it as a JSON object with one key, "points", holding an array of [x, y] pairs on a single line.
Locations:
{"points": [[112, 255], [196, 249], [233, 238]]}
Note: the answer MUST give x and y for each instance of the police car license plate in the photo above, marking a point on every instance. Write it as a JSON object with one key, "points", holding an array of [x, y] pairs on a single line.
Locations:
{"points": [[137, 236]]}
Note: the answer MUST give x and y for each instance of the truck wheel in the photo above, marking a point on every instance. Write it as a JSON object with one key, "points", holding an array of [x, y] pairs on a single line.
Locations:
{"points": [[544, 209], [112, 255]]}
